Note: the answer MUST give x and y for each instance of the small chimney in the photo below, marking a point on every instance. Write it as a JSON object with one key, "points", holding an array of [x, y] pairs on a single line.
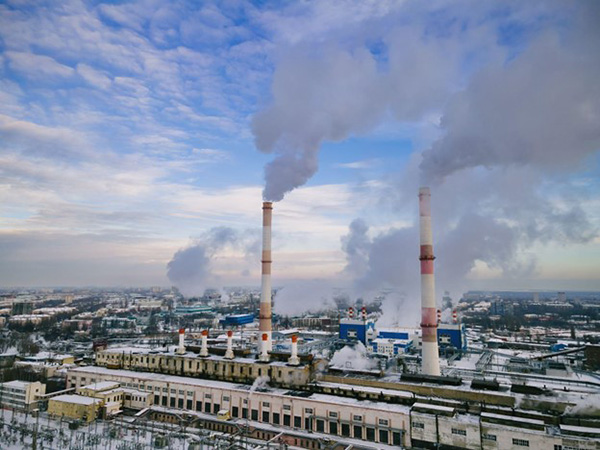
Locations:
{"points": [[364, 313], [204, 348], [264, 355], [294, 360], [229, 353], [181, 348], [439, 315], [351, 313], [454, 316]]}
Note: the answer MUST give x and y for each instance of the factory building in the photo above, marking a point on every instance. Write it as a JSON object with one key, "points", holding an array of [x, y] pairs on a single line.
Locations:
{"points": [[75, 407], [357, 330], [369, 415]]}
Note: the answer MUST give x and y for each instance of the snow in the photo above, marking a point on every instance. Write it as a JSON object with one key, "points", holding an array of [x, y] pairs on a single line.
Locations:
{"points": [[79, 399]]}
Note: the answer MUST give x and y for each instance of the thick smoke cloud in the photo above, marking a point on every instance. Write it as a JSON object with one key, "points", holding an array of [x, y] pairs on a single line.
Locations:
{"points": [[540, 109], [192, 268], [331, 94]]}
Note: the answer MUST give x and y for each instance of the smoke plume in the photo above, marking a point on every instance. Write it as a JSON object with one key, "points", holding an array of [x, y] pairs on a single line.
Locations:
{"points": [[354, 358], [332, 93], [192, 268]]}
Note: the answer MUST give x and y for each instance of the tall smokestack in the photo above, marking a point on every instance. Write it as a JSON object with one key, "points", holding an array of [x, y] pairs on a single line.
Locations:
{"points": [[430, 356], [264, 317]]}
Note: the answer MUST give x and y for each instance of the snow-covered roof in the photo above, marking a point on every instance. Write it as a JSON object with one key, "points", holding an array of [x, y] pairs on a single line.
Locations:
{"points": [[71, 398], [102, 386]]}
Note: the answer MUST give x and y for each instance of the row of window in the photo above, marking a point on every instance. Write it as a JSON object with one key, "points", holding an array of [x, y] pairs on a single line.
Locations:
{"points": [[309, 423]]}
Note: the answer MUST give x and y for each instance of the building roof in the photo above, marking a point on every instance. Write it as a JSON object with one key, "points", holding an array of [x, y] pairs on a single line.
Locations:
{"points": [[79, 399], [16, 384], [102, 386]]}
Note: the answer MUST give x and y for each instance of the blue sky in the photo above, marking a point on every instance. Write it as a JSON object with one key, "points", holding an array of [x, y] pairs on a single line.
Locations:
{"points": [[129, 130]]}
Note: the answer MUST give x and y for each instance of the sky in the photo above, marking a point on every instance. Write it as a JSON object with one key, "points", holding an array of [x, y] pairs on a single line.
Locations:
{"points": [[139, 138]]}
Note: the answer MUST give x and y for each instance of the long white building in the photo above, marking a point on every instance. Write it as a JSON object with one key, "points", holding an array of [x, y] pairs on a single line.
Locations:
{"points": [[423, 424]]}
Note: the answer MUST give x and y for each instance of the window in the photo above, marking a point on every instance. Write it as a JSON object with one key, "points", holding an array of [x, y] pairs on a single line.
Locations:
{"points": [[320, 426], [346, 429], [275, 418], [180, 403], [225, 398], [235, 411], [190, 393], [383, 422], [520, 442], [198, 406], [357, 418], [216, 408], [173, 391], [287, 408], [558, 447], [172, 402], [254, 414], [244, 413], [297, 422], [396, 438], [308, 410], [358, 433], [207, 396], [333, 414], [490, 437], [287, 420], [265, 404], [307, 423], [383, 436], [189, 404], [265, 416], [207, 407], [370, 434], [418, 425], [459, 431], [333, 428]]}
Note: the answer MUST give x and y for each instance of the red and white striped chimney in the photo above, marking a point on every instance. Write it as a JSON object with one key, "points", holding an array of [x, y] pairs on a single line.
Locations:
{"points": [[454, 316], [430, 355], [294, 360], [181, 347], [229, 353], [364, 313], [264, 354], [204, 347], [439, 316], [264, 316], [351, 313]]}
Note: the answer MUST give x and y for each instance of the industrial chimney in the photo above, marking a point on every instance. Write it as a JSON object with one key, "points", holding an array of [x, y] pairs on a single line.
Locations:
{"points": [[229, 353], [293, 359], [430, 355], [181, 347], [204, 347], [264, 317], [264, 355]]}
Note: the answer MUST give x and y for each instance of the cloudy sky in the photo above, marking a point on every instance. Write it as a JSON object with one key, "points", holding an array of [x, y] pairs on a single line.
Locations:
{"points": [[139, 138]]}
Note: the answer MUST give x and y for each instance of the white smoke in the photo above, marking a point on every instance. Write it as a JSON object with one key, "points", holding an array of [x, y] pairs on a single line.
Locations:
{"points": [[330, 93], [260, 384], [588, 405], [354, 358], [192, 269], [308, 296]]}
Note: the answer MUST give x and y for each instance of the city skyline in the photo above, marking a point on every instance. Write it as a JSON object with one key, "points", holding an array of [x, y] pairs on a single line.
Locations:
{"points": [[137, 134]]}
